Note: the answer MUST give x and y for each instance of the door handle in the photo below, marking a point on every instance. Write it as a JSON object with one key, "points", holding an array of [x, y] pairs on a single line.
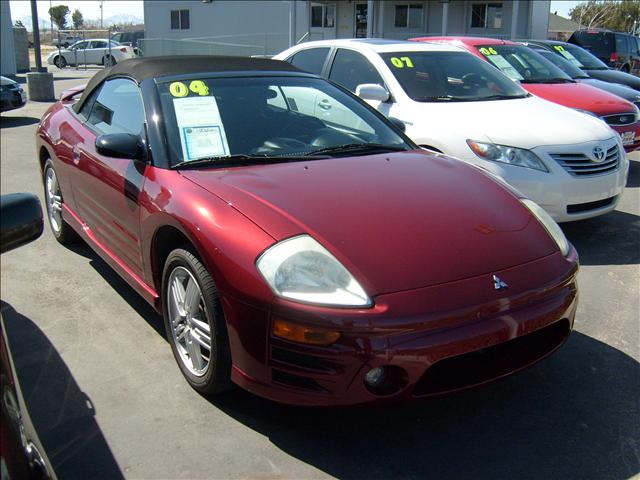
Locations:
{"points": [[324, 104]]}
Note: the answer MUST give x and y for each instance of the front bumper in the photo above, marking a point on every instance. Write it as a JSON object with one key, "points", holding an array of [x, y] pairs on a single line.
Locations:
{"points": [[564, 196], [12, 99], [438, 339]]}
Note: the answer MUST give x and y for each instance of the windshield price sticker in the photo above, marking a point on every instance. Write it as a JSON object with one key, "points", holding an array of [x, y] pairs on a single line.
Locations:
{"points": [[566, 54], [201, 130], [488, 51], [506, 68], [179, 89], [401, 62]]}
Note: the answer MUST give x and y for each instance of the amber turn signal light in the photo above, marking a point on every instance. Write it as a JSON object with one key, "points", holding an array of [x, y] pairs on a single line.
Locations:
{"points": [[303, 334]]}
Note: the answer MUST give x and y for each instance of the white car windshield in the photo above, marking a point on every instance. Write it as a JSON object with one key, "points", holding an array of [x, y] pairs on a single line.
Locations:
{"points": [[449, 77]]}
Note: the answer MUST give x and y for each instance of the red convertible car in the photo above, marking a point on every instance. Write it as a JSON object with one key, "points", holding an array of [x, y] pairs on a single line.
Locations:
{"points": [[297, 242], [542, 78]]}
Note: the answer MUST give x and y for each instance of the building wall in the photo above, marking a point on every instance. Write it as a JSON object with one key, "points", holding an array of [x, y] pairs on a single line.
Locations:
{"points": [[8, 57], [539, 19]]}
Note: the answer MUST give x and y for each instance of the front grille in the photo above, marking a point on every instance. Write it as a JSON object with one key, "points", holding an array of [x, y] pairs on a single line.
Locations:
{"points": [[585, 207], [620, 119], [483, 365], [580, 165]]}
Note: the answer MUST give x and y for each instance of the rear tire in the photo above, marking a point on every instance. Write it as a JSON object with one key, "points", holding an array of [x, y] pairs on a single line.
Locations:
{"points": [[62, 231], [195, 323], [60, 61]]}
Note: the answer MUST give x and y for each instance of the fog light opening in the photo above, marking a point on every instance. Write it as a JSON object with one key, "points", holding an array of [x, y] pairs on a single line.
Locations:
{"points": [[385, 380]]}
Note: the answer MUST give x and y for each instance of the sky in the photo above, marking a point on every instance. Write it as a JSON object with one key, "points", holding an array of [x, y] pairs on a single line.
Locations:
{"points": [[563, 7], [90, 8]]}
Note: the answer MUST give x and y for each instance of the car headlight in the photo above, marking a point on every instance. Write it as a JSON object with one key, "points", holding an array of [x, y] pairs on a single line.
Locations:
{"points": [[518, 157], [549, 224], [301, 269]]}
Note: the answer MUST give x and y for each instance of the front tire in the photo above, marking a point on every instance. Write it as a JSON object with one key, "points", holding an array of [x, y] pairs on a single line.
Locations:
{"points": [[60, 62], [62, 231], [195, 324]]}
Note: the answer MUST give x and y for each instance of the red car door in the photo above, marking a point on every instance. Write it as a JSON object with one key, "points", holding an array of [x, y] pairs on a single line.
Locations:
{"points": [[107, 190]]}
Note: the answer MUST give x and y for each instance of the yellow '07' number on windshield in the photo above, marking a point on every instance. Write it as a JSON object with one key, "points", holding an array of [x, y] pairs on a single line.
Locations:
{"points": [[179, 89], [401, 62]]}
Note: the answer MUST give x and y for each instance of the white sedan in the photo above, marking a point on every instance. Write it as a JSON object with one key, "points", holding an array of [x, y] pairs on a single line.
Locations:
{"points": [[569, 162], [94, 51]]}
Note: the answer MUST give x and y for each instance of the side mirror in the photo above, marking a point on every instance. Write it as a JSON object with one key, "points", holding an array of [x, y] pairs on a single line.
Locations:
{"points": [[372, 91], [20, 220], [121, 145], [399, 124]]}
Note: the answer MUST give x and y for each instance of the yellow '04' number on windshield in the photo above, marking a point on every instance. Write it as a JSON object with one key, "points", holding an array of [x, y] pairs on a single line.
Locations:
{"points": [[488, 51], [179, 89], [401, 62]]}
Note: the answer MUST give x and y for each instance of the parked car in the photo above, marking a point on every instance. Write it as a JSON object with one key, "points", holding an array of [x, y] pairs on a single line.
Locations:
{"points": [[128, 38], [540, 77], [455, 103], [292, 251], [21, 452], [588, 62], [579, 75], [64, 40], [91, 52], [12, 95], [619, 50]]}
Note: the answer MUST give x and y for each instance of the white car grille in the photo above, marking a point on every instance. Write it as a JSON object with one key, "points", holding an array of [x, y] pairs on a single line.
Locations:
{"points": [[580, 165]]}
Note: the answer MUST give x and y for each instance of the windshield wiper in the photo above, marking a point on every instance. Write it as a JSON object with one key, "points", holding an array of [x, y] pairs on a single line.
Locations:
{"points": [[442, 98], [353, 147], [239, 160], [502, 97], [555, 80]]}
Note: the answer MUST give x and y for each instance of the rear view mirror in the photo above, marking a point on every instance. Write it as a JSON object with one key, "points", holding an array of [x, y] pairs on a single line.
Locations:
{"points": [[372, 91], [20, 220], [121, 145]]}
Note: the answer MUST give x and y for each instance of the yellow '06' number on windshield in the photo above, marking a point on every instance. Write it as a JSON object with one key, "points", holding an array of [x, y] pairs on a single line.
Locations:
{"points": [[488, 51], [179, 89], [401, 62]]}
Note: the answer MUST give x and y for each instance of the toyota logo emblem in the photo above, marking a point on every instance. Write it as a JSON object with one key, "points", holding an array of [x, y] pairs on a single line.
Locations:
{"points": [[598, 154]]}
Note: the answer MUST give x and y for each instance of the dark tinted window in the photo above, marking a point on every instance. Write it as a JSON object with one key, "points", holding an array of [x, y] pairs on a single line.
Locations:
{"points": [[351, 69], [118, 108], [600, 43], [522, 63], [184, 19], [175, 19], [622, 44], [311, 60], [98, 44]]}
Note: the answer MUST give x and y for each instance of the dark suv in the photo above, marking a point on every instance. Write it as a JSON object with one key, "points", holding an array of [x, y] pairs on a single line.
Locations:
{"points": [[128, 38], [619, 50]]}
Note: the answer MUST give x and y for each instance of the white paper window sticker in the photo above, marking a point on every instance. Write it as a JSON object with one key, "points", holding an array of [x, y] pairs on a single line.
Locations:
{"points": [[571, 58], [504, 65], [201, 130]]}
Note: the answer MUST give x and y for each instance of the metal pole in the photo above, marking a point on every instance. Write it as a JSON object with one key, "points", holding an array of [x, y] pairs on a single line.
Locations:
{"points": [[36, 35], [100, 14]]}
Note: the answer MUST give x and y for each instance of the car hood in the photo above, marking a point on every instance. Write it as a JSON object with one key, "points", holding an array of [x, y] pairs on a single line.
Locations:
{"points": [[396, 221], [616, 76], [618, 89], [524, 123], [581, 96]]}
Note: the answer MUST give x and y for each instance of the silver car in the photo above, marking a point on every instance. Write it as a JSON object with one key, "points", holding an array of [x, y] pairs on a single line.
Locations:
{"points": [[93, 51]]}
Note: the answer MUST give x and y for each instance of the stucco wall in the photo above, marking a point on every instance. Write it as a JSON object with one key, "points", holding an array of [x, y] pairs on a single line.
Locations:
{"points": [[7, 53]]}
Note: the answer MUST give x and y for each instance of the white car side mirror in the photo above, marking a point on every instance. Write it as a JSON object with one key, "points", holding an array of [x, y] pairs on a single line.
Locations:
{"points": [[372, 91]]}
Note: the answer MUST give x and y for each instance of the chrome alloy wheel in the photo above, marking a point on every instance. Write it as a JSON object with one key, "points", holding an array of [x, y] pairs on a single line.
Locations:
{"points": [[54, 200], [189, 325]]}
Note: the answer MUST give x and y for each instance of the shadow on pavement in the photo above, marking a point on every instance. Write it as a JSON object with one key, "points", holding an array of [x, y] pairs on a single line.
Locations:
{"points": [[610, 239], [10, 122], [634, 174], [63, 415], [573, 416]]}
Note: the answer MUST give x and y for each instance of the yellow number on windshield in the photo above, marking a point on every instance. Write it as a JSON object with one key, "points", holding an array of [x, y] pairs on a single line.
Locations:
{"points": [[401, 62], [178, 89], [199, 87]]}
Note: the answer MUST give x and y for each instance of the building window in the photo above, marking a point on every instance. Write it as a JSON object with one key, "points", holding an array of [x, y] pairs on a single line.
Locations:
{"points": [[408, 16], [180, 20], [486, 15], [323, 16]]}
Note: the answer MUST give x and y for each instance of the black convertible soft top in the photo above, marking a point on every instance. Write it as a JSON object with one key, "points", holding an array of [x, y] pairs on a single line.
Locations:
{"points": [[140, 69]]}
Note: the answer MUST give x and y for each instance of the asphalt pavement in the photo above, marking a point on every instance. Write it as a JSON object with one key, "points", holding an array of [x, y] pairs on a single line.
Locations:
{"points": [[109, 401]]}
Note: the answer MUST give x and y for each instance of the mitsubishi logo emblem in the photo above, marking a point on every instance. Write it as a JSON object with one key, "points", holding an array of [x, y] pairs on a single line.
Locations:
{"points": [[498, 283], [598, 154]]}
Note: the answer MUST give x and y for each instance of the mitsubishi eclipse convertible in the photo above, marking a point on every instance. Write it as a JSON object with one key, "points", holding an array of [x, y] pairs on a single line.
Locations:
{"points": [[309, 257], [571, 164]]}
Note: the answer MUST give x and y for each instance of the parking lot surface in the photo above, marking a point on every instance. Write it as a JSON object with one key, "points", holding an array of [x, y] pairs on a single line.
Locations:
{"points": [[109, 401]]}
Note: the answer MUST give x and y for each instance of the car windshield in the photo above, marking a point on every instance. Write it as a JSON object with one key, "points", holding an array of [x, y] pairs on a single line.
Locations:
{"points": [[565, 65], [449, 77], [244, 120], [586, 59], [523, 64]]}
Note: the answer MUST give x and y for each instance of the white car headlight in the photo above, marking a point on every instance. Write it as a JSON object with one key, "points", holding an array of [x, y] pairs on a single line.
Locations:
{"points": [[518, 157], [301, 269], [549, 224]]}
